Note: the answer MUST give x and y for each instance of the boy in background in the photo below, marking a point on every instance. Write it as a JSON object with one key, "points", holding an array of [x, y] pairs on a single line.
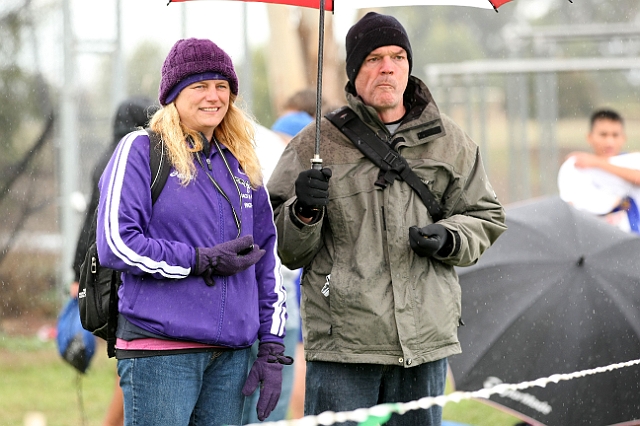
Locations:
{"points": [[605, 181]]}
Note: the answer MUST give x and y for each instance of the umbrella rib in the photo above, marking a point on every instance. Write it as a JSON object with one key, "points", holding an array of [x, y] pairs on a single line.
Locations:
{"points": [[613, 294], [534, 230], [612, 244], [508, 322], [603, 247], [501, 263]]}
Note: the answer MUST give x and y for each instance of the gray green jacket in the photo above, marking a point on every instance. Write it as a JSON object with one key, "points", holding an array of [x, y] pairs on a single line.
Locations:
{"points": [[384, 304]]}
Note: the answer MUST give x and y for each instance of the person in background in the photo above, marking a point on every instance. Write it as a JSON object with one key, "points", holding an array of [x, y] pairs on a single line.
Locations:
{"points": [[380, 295], [294, 118], [298, 111], [133, 113], [607, 138], [200, 274]]}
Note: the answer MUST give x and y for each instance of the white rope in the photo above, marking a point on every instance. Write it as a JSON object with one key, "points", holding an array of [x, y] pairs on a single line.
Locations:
{"points": [[383, 410]]}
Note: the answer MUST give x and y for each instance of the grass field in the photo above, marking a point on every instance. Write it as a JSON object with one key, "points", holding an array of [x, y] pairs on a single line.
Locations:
{"points": [[34, 379]]}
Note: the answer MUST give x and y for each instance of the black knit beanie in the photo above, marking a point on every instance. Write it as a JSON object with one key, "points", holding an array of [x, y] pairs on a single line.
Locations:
{"points": [[368, 34]]}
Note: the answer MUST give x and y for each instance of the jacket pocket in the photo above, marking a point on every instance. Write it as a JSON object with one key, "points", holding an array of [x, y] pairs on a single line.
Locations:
{"points": [[435, 176], [315, 307], [365, 314], [438, 293]]}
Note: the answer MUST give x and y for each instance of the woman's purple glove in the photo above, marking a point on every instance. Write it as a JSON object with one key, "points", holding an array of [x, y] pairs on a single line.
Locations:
{"points": [[226, 258], [267, 372]]}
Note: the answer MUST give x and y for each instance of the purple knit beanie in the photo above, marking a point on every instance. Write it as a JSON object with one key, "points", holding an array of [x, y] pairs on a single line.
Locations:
{"points": [[368, 34], [192, 60]]}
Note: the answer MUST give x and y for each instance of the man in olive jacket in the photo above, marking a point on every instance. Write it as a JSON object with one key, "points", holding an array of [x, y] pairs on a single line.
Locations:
{"points": [[380, 296]]}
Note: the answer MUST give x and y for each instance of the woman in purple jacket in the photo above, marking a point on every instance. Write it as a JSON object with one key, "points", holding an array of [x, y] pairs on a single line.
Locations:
{"points": [[200, 274]]}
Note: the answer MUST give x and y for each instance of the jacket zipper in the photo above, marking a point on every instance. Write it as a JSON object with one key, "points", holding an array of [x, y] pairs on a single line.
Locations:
{"points": [[237, 219]]}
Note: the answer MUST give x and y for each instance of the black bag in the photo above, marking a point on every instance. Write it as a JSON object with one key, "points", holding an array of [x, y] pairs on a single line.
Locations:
{"points": [[392, 165], [98, 286]]}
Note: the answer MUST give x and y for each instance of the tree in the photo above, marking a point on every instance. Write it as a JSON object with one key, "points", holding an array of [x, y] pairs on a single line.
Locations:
{"points": [[262, 106], [20, 90], [295, 31], [26, 116], [26, 172]]}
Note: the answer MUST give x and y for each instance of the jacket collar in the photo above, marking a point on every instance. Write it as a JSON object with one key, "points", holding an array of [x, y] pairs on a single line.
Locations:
{"points": [[207, 145], [422, 111]]}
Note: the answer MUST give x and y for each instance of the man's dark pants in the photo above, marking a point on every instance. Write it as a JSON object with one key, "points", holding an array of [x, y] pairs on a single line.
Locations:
{"points": [[346, 387]]}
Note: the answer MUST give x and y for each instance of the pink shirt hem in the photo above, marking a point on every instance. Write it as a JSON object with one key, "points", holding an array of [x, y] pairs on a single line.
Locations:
{"points": [[151, 344]]}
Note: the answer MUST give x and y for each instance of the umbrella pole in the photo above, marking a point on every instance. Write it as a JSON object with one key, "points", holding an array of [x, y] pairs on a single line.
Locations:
{"points": [[316, 161]]}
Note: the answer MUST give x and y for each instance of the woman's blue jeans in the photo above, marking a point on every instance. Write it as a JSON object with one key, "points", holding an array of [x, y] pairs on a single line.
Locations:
{"points": [[194, 389], [346, 387]]}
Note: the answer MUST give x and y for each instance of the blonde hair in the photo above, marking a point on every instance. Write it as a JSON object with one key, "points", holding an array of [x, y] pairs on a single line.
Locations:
{"points": [[235, 131]]}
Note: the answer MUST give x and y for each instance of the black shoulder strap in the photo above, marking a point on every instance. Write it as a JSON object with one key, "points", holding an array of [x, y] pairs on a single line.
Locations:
{"points": [[112, 321], [160, 167], [392, 165], [159, 164]]}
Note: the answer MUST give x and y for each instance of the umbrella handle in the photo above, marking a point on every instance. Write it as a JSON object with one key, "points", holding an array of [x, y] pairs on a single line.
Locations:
{"points": [[316, 162]]}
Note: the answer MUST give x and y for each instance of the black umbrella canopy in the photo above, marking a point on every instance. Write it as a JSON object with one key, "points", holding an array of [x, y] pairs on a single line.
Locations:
{"points": [[558, 292]]}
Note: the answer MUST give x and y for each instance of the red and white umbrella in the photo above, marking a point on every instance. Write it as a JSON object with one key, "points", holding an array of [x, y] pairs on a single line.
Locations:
{"points": [[337, 5]]}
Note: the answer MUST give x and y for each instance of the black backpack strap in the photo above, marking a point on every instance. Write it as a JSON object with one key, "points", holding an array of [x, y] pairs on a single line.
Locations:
{"points": [[392, 165], [159, 164], [112, 322]]}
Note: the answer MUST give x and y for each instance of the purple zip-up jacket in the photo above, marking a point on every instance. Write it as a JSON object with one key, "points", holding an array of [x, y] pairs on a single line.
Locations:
{"points": [[154, 247]]}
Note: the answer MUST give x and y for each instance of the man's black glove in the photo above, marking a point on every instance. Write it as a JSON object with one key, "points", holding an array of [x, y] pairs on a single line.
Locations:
{"points": [[430, 240], [312, 190]]}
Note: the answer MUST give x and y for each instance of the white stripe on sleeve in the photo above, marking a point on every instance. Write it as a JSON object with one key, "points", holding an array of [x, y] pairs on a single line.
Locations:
{"points": [[278, 317], [111, 219]]}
